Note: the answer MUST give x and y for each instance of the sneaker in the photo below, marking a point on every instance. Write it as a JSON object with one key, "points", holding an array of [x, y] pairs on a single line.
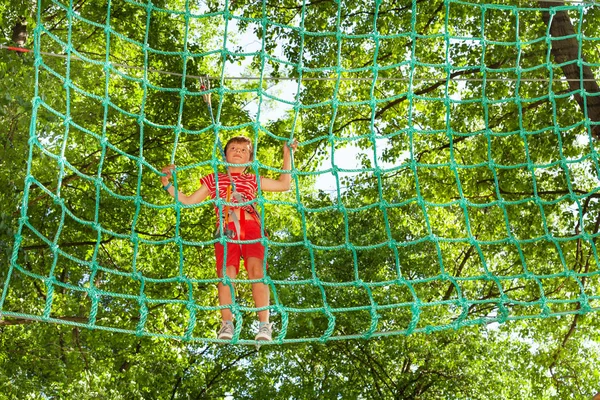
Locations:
{"points": [[264, 332], [226, 331]]}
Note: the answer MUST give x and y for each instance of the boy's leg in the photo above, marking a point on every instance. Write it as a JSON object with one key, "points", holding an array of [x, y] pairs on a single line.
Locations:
{"points": [[225, 293], [260, 291]]}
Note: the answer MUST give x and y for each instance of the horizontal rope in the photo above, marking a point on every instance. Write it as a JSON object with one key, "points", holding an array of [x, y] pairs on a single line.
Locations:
{"points": [[295, 79]]}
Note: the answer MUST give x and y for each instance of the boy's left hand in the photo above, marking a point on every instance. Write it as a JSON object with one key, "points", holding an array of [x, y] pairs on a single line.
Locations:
{"points": [[293, 146]]}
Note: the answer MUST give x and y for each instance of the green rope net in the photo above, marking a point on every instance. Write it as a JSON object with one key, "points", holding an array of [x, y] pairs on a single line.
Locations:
{"points": [[472, 197]]}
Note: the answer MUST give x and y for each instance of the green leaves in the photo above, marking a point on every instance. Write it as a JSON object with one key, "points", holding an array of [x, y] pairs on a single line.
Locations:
{"points": [[476, 201]]}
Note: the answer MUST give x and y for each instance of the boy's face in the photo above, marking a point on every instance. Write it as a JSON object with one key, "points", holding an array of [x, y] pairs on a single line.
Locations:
{"points": [[238, 153]]}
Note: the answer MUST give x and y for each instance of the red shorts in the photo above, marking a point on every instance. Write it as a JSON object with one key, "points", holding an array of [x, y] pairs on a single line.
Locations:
{"points": [[251, 231]]}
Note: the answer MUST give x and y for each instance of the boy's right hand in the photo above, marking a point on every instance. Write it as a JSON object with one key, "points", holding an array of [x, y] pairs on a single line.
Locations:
{"points": [[168, 170], [205, 85]]}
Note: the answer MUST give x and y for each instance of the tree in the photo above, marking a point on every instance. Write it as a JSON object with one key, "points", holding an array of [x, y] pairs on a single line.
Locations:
{"points": [[566, 52], [495, 165]]}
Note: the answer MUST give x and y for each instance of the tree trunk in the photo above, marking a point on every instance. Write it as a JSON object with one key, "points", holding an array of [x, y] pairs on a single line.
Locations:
{"points": [[566, 50], [19, 33]]}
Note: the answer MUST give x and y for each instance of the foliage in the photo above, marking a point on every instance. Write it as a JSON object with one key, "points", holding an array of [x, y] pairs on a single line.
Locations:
{"points": [[508, 171]]}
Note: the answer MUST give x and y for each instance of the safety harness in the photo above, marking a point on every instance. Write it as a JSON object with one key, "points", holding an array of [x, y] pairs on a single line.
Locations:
{"points": [[229, 214]]}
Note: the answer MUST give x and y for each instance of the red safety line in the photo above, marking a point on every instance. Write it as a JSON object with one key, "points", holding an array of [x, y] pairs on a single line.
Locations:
{"points": [[19, 49]]}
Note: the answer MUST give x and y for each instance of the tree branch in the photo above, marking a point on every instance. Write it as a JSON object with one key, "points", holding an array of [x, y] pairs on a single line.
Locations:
{"points": [[24, 321], [459, 271], [68, 244], [215, 378]]}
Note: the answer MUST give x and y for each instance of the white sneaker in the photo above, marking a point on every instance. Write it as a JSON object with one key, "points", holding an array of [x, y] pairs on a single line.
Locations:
{"points": [[226, 331], [264, 332]]}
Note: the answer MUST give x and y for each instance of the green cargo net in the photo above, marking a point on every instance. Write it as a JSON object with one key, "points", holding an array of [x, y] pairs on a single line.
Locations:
{"points": [[447, 174]]}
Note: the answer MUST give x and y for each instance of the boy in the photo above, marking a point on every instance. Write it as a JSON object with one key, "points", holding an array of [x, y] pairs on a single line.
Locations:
{"points": [[240, 223]]}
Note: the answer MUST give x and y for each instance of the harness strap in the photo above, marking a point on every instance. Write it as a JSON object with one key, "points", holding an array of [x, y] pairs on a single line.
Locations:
{"points": [[236, 224], [242, 232], [253, 213], [227, 207], [230, 214]]}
